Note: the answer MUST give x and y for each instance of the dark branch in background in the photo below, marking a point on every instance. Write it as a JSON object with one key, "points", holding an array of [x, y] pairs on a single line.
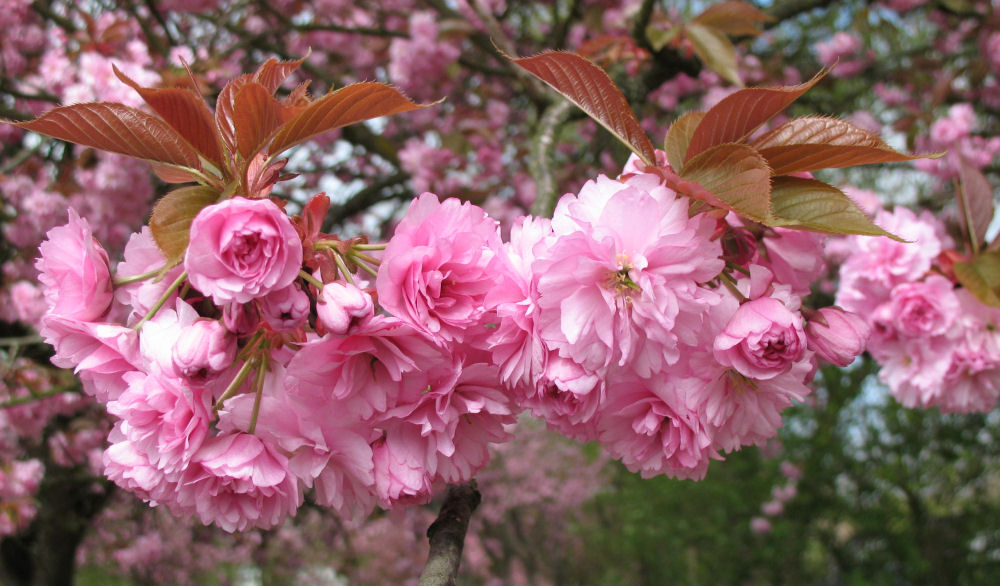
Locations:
{"points": [[640, 24], [542, 149], [791, 8], [447, 534], [368, 196]]}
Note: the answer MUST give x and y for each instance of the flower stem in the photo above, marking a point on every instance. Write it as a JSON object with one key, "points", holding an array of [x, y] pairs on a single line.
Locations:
{"points": [[159, 302], [259, 388], [235, 384], [311, 280], [136, 278], [369, 246], [343, 267]]}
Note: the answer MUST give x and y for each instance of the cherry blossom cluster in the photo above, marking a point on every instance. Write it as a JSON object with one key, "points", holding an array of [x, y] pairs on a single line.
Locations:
{"points": [[272, 358], [937, 345]]}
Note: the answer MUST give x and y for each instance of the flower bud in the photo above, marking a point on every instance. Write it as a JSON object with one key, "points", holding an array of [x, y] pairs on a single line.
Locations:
{"points": [[286, 309], [837, 335], [203, 350], [342, 305]]}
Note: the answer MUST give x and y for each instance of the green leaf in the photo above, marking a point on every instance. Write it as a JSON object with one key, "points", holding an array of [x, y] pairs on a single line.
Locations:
{"points": [[590, 88], [348, 105], [808, 204], [818, 142], [737, 175], [736, 116], [981, 277], [660, 38], [119, 129], [715, 50], [172, 216], [679, 137]]}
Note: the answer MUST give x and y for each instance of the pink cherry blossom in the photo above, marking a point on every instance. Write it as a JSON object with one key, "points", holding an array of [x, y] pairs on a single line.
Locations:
{"points": [[924, 308], [236, 481], [166, 421], [203, 350], [241, 249], [100, 353], [762, 339], [286, 309], [74, 270], [342, 305], [439, 267], [836, 335]]}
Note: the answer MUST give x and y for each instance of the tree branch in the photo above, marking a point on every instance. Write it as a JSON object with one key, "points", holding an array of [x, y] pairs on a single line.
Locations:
{"points": [[447, 534], [546, 191]]}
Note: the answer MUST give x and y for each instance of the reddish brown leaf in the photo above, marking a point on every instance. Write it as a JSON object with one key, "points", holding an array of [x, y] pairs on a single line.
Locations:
{"points": [[737, 175], [225, 105], [733, 18], [590, 88], [170, 174], [808, 204], [679, 137], [273, 73], [715, 50], [187, 112], [818, 142], [348, 105], [256, 116], [116, 128], [735, 117], [975, 201], [172, 216]]}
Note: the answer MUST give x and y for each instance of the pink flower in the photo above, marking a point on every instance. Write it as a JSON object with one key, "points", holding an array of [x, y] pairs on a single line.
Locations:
{"points": [[762, 339], [242, 249], [74, 270], [328, 446], [100, 353], [836, 335], [342, 305], [760, 525], [650, 426], [620, 281], [166, 421], [143, 256], [925, 308], [400, 473], [286, 309], [439, 267], [237, 482], [203, 350]]}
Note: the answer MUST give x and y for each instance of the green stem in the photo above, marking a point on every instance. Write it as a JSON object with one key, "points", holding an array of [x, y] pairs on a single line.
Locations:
{"points": [[343, 267], [234, 386], [159, 302], [369, 246], [137, 278], [368, 259], [730, 284], [259, 387], [311, 279]]}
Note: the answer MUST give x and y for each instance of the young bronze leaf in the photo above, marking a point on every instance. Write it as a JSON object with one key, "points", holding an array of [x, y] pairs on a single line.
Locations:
{"points": [[975, 201], [348, 105], [818, 142], [172, 216], [737, 175], [590, 88], [225, 105], [679, 137], [735, 117], [171, 174], [187, 112], [808, 204], [273, 73], [256, 116], [715, 50], [733, 18], [118, 129], [981, 277]]}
